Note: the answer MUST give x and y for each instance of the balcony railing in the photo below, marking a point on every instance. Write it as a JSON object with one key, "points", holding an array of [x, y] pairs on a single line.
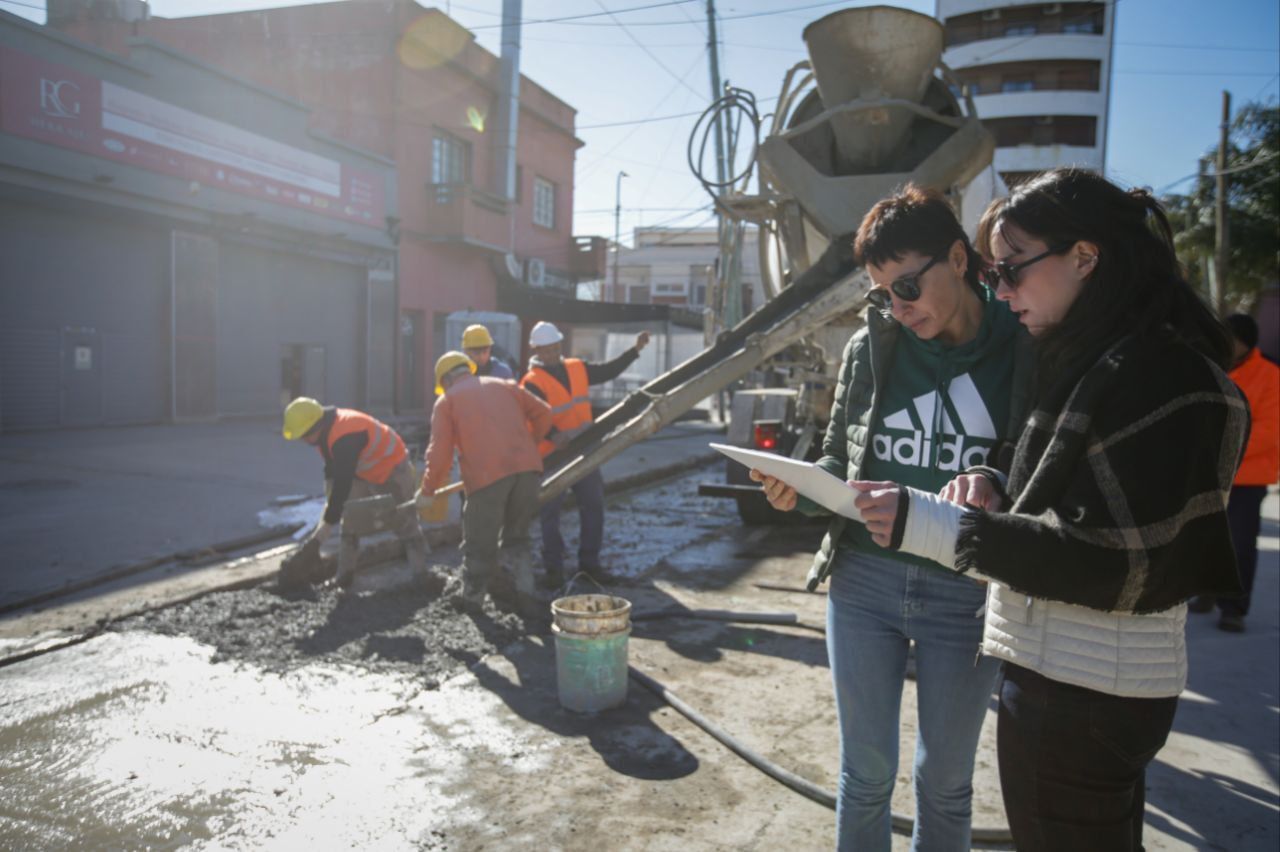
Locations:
{"points": [[459, 211]]}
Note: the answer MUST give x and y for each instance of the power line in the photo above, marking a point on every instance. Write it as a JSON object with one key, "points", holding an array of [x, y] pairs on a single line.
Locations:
{"points": [[1163, 73], [649, 53], [572, 21], [634, 121], [1200, 47], [568, 18]]}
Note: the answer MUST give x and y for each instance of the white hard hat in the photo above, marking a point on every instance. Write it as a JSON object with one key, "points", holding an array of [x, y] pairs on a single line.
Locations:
{"points": [[544, 334]]}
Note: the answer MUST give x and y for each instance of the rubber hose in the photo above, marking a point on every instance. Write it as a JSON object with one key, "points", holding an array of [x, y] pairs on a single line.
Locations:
{"points": [[803, 786]]}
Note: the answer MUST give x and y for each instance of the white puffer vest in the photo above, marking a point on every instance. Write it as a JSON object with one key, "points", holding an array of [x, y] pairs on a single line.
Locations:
{"points": [[1135, 656]]}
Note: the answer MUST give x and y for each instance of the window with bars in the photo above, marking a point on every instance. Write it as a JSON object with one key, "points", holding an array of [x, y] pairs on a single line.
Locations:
{"points": [[450, 160], [544, 203]]}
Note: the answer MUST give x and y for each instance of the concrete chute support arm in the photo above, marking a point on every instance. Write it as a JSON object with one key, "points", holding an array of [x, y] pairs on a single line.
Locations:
{"points": [[822, 292]]}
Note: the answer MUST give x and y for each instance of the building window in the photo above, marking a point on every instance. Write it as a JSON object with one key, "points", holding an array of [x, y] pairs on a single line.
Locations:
{"points": [[1077, 130], [519, 184], [1040, 75], [450, 160], [669, 289], [544, 203], [1020, 30]]}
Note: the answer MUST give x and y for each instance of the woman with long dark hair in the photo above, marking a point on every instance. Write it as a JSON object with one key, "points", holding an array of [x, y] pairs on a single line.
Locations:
{"points": [[1112, 513]]}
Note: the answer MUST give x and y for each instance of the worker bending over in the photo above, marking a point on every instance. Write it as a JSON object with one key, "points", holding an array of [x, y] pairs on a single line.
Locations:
{"points": [[493, 425], [477, 343], [362, 457], [563, 383]]}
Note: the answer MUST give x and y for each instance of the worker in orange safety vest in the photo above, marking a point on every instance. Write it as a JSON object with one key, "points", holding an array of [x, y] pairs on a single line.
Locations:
{"points": [[562, 383], [362, 457]]}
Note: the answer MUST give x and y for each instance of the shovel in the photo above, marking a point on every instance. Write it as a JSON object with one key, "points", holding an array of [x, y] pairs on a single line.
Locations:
{"points": [[370, 515]]}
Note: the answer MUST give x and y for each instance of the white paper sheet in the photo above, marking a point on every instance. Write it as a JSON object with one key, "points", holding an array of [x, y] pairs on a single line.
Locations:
{"points": [[813, 482]]}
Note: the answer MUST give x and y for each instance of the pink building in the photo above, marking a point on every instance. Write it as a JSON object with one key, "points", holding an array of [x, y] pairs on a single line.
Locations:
{"points": [[411, 84]]}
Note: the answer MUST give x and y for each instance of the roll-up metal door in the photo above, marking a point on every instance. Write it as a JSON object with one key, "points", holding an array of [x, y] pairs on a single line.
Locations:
{"points": [[30, 379]]}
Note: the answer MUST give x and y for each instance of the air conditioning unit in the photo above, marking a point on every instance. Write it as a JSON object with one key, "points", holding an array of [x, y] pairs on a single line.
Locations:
{"points": [[991, 15], [1052, 9], [535, 272]]}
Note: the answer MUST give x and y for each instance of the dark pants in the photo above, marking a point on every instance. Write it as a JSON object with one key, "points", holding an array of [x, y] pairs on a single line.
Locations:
{"points": [[1244, 515], [1073, 762], [497, 515], [589, 493]]}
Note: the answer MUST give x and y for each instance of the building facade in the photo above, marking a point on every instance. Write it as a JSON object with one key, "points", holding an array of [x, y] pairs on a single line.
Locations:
{"points": [[179, 244], [673, 266], [1040, 74], [412, 85]]}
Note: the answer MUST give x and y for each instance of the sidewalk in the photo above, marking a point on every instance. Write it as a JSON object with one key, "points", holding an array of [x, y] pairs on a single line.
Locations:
{"points": [[75, 504]]}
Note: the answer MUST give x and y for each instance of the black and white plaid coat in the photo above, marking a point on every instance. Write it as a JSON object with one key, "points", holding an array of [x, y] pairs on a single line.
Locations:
{"points": [[1119, 485]]}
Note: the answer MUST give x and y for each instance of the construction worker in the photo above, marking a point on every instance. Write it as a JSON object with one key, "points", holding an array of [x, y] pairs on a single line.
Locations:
{"points": [[563, 383], [362, 457], [477, 343], [494, 425]]}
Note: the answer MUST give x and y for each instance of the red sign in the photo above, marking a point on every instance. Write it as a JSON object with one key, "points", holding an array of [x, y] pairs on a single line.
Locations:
{"points": [[58, 105]]}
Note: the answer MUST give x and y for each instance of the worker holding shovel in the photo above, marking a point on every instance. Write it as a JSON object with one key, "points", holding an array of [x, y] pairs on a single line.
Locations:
{"points": [[362, 457], [494, 426]]}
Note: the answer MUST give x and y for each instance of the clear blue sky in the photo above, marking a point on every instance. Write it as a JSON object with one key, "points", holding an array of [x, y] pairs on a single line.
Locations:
{"points": [[1172, 60]]}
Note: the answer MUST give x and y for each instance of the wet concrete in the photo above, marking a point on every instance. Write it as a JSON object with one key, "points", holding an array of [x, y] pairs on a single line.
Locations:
{"points": [[384, 719]]}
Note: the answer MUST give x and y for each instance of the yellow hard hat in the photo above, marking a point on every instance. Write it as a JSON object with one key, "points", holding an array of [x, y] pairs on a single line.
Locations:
{"points": [[303, 413], [451, 361], [476, 336]]}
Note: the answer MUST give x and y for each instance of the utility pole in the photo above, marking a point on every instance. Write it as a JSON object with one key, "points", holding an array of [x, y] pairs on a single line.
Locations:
{"points": [[715, 88], [617, 234], [1221, 233]]}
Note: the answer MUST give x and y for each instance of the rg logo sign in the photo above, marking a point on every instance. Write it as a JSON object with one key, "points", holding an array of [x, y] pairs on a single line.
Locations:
{"points": [[59, 98]]}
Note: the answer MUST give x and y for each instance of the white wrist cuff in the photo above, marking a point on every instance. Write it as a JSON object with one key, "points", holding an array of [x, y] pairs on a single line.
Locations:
{"points": [[932, 526]]}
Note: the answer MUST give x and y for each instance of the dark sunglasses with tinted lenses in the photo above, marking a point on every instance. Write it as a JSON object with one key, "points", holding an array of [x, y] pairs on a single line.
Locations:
{"points": [[906, 288], [1010, 272]]}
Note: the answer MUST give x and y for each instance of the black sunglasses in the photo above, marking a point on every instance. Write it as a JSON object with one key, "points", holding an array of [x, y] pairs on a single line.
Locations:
{"points": [[1010, 272], [906, 288]]}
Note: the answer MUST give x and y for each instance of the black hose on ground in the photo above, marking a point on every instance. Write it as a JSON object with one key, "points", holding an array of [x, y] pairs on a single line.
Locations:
{"points": [[803, 786]]}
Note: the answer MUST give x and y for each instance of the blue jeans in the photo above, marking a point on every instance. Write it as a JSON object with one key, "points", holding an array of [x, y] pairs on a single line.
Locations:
{"points": [[876, 607], [589, 494]]}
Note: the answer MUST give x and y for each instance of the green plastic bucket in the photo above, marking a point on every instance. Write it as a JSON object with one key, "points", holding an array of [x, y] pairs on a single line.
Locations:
{"points": [[591, 634]]}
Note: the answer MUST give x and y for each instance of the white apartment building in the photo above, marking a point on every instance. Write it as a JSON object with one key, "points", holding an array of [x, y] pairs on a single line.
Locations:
{"points": [[670, 266], [1040, 74]]}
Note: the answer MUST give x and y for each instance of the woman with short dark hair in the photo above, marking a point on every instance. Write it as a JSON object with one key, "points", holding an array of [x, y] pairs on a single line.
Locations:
{"points": [[1111, 516], [934, 384]]}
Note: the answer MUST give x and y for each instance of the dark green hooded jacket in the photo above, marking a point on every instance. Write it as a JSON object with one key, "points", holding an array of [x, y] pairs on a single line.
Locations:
{"points": [[865, 371]]}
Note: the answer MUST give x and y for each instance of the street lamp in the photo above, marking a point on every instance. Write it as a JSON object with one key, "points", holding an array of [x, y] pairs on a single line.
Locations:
{"points": [[617, 218]]}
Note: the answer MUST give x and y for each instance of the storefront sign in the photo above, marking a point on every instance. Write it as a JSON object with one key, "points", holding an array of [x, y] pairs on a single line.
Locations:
{"points": [[58, 105]]}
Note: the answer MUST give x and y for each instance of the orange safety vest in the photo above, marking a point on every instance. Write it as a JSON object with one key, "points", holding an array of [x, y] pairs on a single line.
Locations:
{"points": [[1260, 381], [382, 452], [569, 408]]}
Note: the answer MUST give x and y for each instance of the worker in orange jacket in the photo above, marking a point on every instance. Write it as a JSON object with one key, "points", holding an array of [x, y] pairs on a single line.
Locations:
{"points": [[493, 425], [562, 383], [362, 457], [1260, 381]]}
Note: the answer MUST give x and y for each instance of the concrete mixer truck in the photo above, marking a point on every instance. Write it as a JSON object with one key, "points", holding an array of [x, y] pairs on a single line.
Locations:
{"points": [[871, 109]]}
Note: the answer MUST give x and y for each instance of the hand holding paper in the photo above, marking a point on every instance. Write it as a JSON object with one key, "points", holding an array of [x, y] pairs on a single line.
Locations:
{"points": [[813, 482]]}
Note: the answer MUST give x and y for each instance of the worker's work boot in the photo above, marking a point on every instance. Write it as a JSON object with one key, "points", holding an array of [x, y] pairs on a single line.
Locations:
{"points": [[552, 579], [464, 596]]}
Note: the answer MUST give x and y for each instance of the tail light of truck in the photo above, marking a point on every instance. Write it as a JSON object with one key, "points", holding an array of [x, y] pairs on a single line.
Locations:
{"points": [[766, 436]]}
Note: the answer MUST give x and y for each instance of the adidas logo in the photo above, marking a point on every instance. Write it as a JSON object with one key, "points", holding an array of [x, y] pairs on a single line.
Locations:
{"points": [[957, 448]]}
